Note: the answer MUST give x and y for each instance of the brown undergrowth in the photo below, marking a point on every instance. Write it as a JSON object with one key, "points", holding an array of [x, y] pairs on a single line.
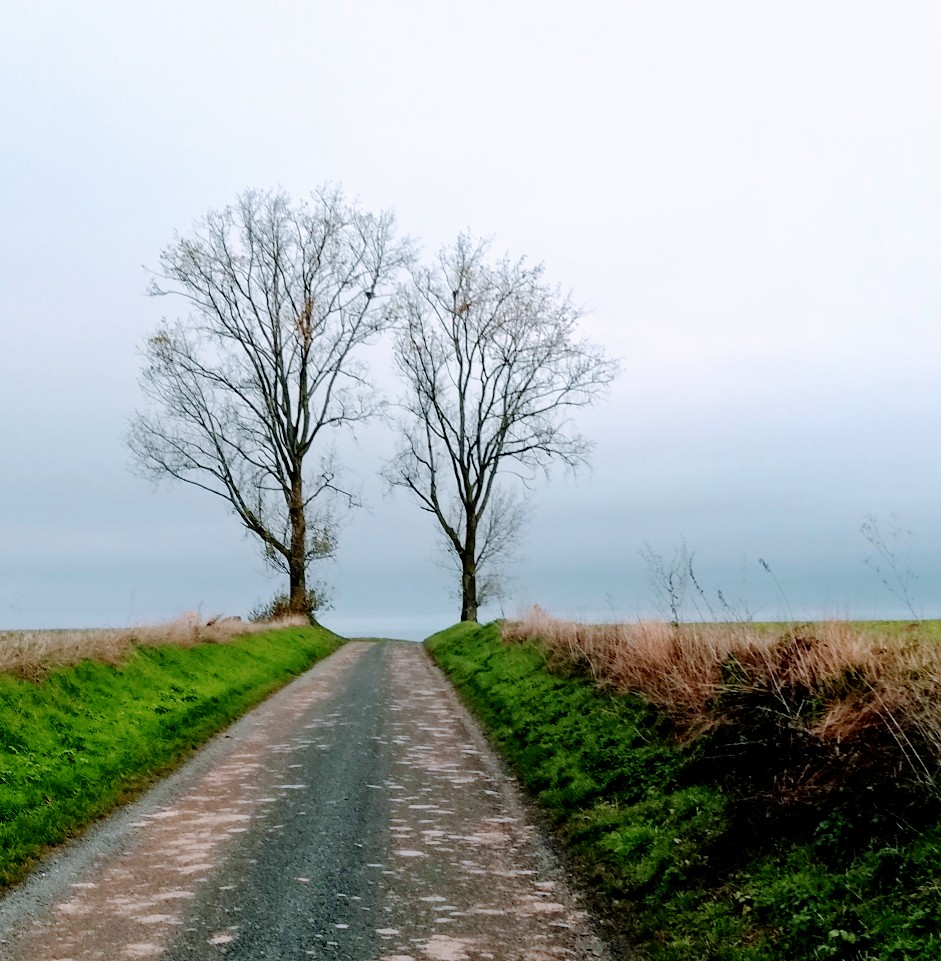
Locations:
{"points": [[806, 708], [31, 654]]}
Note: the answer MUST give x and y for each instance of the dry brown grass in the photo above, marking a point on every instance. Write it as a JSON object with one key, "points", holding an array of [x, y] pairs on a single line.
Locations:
{"points": [[841, 692], [32, 653]]}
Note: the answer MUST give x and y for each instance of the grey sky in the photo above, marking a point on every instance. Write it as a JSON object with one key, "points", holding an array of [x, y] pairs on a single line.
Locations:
{"points": [[745, 197]]}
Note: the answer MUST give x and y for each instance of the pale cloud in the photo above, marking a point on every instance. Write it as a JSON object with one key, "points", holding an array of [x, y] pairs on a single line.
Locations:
{"points": [[744, 197]]}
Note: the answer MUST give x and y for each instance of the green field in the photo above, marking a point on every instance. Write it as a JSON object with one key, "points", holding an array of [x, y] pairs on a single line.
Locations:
{"points": [[81, 739], [692, 847]]}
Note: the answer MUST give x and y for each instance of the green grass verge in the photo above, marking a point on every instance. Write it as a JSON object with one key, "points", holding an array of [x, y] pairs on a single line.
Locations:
{"points": [[85, 738], [691, 865]]}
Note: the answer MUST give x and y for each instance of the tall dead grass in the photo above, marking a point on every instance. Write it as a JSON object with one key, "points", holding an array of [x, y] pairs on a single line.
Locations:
{"points": [[845, 695], [32, 653]]}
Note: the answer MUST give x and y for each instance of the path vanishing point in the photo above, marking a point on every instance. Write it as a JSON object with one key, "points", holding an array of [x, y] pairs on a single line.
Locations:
{"points": [[358, 814]]}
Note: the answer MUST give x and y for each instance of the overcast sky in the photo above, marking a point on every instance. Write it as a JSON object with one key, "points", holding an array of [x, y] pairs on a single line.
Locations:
{"points": [[745, 197]]}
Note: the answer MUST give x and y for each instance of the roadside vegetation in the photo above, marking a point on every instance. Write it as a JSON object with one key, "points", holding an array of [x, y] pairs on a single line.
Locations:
{"points": [[841, 704], [106, 712], [32, 654], [746, 792]]}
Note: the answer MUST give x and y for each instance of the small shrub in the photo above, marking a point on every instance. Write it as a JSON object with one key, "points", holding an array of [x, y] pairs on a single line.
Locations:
{"points": [[279, 607]]}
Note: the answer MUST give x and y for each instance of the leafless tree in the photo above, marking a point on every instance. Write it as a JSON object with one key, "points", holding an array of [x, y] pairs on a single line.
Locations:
{"points": [[247, 391], [669, 580], [888, 559], [492, 365]]}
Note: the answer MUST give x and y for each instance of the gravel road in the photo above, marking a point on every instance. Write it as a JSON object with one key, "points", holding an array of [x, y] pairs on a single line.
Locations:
{"points": [[358, 814]]}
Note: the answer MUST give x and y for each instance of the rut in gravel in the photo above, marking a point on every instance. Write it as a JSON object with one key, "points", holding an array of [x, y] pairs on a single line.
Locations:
{"points": [[358, 814]]}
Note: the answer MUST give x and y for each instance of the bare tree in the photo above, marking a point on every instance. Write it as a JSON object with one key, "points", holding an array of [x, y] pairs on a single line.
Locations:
{"points": [[669, 580], [492, 365], [247, 391], [888, 560]]}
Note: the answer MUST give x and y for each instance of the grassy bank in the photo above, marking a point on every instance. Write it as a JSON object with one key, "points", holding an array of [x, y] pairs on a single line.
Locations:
{"points": [[683, 828], [75, 741], [31, 654]]}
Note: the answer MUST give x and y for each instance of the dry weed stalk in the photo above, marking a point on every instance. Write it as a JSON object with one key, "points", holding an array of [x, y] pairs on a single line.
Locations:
{"points": [[839, 690], [32, 653]]}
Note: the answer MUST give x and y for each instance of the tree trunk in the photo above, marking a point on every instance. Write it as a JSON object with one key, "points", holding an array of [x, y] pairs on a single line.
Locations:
{"points": [[297, 562], [468, 588]]}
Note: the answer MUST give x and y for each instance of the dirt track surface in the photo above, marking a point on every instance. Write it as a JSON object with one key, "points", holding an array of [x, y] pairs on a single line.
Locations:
{"points": [[358, 814]]}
